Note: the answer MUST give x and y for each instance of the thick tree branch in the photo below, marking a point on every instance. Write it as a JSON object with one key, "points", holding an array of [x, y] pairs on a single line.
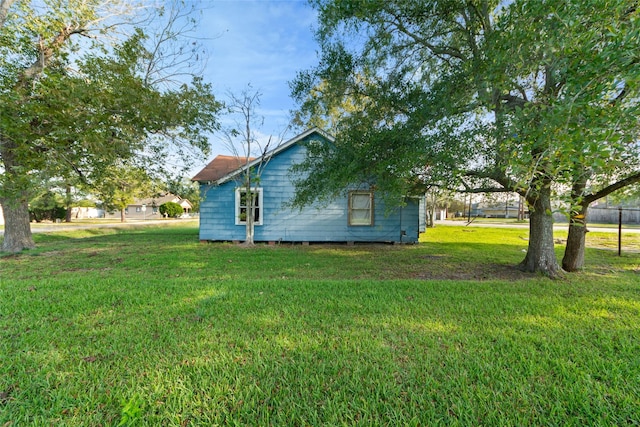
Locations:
{"points": [[508, 186], [513, 101], [482, 190], [631, 179], [46, 52], [435, 50]]}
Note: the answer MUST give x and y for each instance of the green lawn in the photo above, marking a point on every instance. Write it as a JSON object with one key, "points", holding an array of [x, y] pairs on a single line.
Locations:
{"points": [[150, 327]]}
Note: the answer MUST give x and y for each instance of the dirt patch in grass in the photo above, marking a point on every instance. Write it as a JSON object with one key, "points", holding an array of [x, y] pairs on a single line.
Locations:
{"points": [[490, 271]]}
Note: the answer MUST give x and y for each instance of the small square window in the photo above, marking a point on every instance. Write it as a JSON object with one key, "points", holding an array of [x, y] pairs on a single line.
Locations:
{"points": [[360, 208]]}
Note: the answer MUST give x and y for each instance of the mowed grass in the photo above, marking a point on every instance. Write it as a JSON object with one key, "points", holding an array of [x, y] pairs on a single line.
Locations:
{"points": [[150, 327]]}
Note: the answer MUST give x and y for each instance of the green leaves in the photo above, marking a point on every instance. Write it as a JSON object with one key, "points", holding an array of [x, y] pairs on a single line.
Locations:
{"points": [[70, 109], [118, 185], [497, 89]]}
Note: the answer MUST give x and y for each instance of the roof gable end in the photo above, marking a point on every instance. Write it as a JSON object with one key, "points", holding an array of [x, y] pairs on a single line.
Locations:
{"points": [[220, 171]]}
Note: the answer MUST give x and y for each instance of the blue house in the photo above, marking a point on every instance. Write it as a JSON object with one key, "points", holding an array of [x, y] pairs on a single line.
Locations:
{"points": [[358, 216]]}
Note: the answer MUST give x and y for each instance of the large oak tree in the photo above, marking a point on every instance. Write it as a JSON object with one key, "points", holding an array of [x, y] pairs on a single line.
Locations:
{"points": [[481, 95], [77, 97]]}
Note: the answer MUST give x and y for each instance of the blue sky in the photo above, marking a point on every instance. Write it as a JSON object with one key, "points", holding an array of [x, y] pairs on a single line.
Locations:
{"points": [[259, 42]]}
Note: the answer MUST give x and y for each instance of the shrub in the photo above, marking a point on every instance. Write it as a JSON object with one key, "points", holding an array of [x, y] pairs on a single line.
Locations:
{"points": [[47, 206], [51, 214], [171, 209]]}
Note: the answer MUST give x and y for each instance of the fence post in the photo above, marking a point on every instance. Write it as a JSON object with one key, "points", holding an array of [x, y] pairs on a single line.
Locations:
{"points": [[620, 231]]}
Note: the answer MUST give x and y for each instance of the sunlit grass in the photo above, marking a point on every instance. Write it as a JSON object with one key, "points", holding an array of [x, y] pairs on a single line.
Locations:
{"points": [[629, 241], [153, 327]]}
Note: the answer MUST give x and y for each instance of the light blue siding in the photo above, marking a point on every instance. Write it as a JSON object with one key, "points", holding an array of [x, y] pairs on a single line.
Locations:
{"points": [[311, 224]]}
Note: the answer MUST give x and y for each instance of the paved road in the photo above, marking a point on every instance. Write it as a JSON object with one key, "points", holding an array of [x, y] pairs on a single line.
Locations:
{"points": [[49, 227], [612, 229]]}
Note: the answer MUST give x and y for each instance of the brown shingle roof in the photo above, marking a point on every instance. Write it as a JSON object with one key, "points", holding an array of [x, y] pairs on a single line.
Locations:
{"points": [[219, 167]]}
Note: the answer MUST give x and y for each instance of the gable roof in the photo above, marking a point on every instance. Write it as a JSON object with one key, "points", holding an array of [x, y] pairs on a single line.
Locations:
{"points": [[224, 168]]}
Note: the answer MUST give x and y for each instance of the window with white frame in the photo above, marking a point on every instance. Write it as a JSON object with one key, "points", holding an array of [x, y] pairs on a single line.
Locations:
{"points": [[360, 208], [242, 205]]}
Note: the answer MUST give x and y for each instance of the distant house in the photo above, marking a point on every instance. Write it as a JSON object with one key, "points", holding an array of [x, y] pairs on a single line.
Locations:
{"points": [[498, 211], [149, 208], [359, 216], [81, 212]]}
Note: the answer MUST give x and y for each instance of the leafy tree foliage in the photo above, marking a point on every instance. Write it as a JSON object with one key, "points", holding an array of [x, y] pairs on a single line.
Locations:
{"points": [[526, 96], [47, 206], [185, 189], [171, 209], [317, 111], [118, 187], [76, 109]]}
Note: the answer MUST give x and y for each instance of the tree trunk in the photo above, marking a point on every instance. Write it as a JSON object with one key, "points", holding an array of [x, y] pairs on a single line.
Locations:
{"points": [[520, 209], [17, 227], [68, 204], [249, 241], [15, 203], [249, 232], [573, 259], [541, 255], [250, 208], [432, 216], [123, 215]]}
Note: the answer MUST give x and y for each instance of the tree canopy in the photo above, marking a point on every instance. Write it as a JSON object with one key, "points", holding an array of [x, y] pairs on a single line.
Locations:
{"points": [[525, 96], [76, 108], [120, 185]]}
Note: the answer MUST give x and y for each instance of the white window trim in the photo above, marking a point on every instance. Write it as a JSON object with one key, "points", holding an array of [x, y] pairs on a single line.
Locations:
{"points": [[260, 205], [371, 208]]}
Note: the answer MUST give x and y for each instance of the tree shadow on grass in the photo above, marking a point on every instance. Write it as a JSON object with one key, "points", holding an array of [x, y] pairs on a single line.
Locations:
{"points": [[477, 272]]}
